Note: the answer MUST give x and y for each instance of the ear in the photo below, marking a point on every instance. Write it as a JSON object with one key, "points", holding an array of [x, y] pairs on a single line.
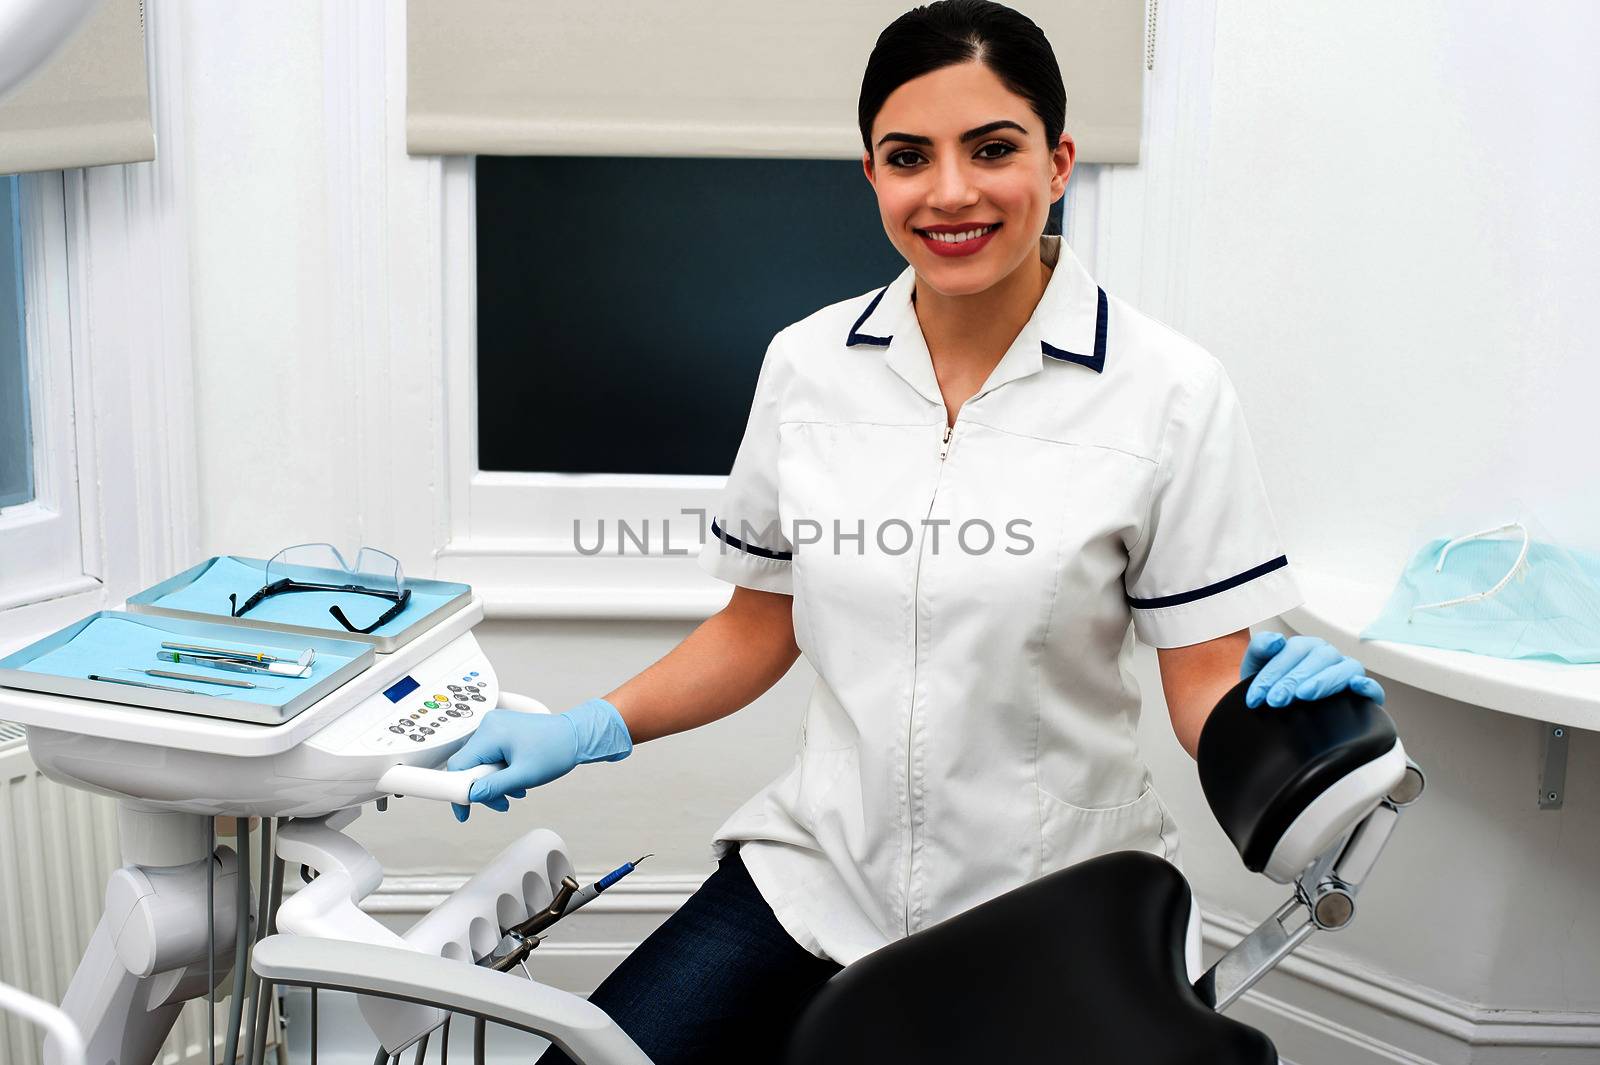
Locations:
{"points": [[866, 168], [1062, 159]]}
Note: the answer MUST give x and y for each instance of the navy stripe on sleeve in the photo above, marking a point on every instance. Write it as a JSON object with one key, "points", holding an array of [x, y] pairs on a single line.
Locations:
{"points": [[717, 531], [1210, 589]]}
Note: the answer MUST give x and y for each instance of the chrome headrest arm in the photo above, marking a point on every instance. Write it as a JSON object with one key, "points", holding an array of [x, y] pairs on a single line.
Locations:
{"points": [[1324, 898]]}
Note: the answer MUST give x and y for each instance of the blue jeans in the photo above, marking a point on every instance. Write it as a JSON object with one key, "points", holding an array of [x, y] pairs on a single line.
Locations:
{"points": [[720, 980]]}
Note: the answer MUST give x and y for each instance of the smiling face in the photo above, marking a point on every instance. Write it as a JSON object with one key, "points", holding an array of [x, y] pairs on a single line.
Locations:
{"points": [[964, 177]]}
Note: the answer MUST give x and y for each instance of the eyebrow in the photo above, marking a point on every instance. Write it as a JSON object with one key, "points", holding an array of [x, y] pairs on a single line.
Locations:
{"points": [[971, 134]]}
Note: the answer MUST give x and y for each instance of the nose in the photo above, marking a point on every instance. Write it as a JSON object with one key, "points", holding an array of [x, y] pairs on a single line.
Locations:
{"points": [[952, 189]]}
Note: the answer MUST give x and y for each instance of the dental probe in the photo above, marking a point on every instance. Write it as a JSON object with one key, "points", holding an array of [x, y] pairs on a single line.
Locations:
{"points": [[167, 674], [145, 684]]}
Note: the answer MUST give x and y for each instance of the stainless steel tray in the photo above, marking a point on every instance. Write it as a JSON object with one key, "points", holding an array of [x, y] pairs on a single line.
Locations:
{"points": [[337, 662], [444, 599]]}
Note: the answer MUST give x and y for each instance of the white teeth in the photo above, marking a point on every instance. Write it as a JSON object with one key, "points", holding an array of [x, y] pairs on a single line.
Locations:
{"points": [[960, 238]]}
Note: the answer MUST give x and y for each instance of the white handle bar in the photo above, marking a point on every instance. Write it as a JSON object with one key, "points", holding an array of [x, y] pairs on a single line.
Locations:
{"points": [[442, 784]]}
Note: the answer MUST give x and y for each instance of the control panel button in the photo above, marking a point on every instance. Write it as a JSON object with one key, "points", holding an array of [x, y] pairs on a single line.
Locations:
{"points": [[462, 706], [397, 728], [453, 713], [425, 730], [453, 687], [418, 738], [478, 698]]}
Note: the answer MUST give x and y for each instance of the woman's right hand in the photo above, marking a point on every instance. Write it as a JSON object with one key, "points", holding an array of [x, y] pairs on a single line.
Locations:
{"points": [[538, 748]]}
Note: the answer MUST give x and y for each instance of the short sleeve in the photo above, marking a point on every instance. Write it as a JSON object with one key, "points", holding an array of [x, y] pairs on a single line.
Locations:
{"points": [[1209, 560], [745, 544]]}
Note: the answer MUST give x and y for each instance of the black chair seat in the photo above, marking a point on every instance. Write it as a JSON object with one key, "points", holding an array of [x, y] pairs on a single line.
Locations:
{"points": [[1083, 966]]}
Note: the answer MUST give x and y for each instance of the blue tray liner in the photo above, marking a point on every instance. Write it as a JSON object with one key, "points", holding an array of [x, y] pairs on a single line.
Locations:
{"points": [[208, 594], [105, 644]]}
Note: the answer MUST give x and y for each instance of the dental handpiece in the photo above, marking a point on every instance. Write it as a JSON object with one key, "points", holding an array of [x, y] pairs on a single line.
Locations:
{"points": [[520, 939]]}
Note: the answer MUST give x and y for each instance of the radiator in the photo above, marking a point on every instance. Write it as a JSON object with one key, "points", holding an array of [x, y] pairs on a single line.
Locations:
{"points": [[57, 847]]}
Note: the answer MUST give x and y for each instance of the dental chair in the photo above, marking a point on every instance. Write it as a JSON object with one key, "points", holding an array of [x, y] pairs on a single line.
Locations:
{"points": [[1087, 964]]}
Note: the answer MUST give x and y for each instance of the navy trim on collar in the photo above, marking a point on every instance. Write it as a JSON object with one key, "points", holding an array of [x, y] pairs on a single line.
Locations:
{"points": [[781, 556], [1095, 362], [1210, 589], [861, 338]]}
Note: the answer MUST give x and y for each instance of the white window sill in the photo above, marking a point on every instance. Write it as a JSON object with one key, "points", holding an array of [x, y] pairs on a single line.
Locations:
{"points": [[1337, 609], [528, 580]]}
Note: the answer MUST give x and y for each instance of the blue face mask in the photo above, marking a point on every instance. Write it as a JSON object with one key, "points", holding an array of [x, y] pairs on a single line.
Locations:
{"points": [[1510, 598]]}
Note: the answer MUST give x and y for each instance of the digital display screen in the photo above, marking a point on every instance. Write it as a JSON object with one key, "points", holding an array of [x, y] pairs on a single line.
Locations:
{"points": [[402, 688]]}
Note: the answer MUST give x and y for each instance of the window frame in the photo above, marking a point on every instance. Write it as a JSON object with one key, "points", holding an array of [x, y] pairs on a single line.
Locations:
{"points": [[124, 280], [43, 541], [511, 535]]}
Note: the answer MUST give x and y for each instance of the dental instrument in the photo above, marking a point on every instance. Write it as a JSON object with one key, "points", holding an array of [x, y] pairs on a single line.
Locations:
{"points": [[588, 894], [167, 674], [145, 684], [520, 939], [304, 658], [235, 665]]}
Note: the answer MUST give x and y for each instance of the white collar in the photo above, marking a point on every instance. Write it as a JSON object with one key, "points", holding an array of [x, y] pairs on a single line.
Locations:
{"points": [[1068, 325]]}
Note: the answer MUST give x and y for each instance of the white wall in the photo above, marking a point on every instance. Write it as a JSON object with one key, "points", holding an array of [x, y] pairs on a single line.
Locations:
{"points": [[1378, 216]]}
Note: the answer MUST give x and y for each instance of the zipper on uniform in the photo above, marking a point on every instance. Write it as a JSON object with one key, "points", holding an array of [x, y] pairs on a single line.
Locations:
{"points": [[911, 716]]}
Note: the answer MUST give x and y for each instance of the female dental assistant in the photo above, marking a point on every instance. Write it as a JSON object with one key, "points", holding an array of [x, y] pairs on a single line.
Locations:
{"points": [[961, 496]]}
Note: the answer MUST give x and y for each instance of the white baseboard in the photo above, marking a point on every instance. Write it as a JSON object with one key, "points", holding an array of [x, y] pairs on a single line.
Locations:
{"points": [[1318, 1008]]}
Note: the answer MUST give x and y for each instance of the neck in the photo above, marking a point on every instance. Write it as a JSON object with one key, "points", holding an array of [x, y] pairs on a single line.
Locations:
{"points": [[969, 334]]}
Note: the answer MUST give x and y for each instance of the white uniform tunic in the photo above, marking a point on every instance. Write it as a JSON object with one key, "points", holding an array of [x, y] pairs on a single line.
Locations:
{"points": [[966, 602]]}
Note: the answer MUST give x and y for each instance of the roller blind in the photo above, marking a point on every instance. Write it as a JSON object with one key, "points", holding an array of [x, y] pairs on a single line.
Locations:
{"points": [[715, 77], [90, 103]]}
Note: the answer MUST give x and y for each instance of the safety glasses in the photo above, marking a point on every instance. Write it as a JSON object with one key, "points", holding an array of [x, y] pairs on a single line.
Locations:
{"points": [[1518, 567], [321, 568]]}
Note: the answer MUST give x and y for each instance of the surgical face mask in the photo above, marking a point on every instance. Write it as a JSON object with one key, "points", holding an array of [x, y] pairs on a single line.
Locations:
{"points": [[1510, 597]]}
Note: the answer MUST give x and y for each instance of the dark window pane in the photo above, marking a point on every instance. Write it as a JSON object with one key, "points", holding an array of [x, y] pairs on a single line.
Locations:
{"points": [[16, 442], [624, 304]]}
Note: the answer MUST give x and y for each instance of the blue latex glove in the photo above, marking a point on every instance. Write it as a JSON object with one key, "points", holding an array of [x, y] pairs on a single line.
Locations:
{"points": [[1300, 667], [538, 748]]}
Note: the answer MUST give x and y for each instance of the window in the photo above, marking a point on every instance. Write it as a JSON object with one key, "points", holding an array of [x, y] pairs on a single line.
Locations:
{"points": [[624, 304], [16, 424], [41, 540]]}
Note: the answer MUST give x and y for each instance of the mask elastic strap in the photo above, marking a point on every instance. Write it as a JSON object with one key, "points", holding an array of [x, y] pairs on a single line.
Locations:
{"points": [[1444, 552]]}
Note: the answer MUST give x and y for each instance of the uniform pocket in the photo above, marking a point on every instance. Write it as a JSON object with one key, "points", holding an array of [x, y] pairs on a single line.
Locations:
{"points": [[1071, 834]]}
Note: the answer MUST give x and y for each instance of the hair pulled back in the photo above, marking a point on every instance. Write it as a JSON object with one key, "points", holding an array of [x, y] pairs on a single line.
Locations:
{"points": [[948, 32]]}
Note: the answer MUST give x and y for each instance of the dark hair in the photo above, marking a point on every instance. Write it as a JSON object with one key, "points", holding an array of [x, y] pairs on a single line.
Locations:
{"points": [[948, 32]]}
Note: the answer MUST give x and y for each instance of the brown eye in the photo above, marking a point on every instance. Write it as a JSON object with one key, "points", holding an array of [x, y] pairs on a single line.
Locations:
{"points": [[903, 158], [1005, 149]]}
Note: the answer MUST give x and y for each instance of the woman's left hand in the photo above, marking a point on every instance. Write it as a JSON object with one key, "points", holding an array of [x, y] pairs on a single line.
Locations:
{"points": [[1300, 667]]}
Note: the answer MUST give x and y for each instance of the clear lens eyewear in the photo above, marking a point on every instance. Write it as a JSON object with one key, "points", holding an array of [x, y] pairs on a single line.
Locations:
{"points": [[1518, 568], [321, 568]]}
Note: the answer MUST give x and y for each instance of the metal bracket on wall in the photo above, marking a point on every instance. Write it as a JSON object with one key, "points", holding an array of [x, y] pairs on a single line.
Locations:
{"points": [[1553, 772]]}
